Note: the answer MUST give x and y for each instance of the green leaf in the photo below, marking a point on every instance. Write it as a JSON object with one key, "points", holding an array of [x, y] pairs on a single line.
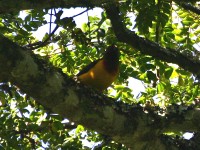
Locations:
{"points": [[57, 125], [79, 129], [160, 87], [151, 76], [168, 72]]}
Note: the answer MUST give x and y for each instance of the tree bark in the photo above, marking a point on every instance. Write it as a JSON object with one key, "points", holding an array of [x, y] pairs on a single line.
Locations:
{"points": [[133, 126], [7, 6], [146, 47], [127, 124]]}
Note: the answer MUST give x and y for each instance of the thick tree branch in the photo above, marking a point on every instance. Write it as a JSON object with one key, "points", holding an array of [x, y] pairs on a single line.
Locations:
{"points": [[148, 47], [126, 124], [55, 91], [186, 1], [185, 121], [7, 6]]}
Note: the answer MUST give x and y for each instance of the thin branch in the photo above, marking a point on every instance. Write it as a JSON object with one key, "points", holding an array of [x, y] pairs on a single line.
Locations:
{"points": [[47, 40], [89, 25], [69, 126], [50, 21], [49, 37], [189, 7], [148, 47], [157, 32], [41, 44], [80, 13]]}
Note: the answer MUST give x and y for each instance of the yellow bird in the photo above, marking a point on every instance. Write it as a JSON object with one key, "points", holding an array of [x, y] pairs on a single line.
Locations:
{"points": [[101, 73]]}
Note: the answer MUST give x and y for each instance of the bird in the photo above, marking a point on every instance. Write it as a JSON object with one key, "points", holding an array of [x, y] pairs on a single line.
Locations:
{"points": [[101, 73]]}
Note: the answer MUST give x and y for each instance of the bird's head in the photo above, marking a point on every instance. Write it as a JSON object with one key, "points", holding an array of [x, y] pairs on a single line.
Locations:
{"points": [[111, 59], [112, 54]]}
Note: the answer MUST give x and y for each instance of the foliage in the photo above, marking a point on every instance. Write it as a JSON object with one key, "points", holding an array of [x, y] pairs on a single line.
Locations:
{"points": [[27, 125]]}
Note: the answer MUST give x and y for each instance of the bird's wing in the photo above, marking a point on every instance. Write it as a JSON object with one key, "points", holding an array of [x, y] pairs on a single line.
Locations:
{"points": [[88, 67]]}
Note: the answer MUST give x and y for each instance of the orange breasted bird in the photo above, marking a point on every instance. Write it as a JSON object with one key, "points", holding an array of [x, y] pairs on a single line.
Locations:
{"points": [[101, 73]]}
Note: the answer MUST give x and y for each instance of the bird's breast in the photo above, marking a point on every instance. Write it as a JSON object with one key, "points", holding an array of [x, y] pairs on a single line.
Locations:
{"points": [[98, 76]]}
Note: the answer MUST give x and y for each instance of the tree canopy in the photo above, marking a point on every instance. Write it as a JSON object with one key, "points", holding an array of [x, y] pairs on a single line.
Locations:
{"points": [[43, 106]]}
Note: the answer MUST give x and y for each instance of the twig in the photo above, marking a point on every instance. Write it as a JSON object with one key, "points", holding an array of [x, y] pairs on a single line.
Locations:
{"points": [[45, 42], [50, 22], [41, 44], [80, 13]]}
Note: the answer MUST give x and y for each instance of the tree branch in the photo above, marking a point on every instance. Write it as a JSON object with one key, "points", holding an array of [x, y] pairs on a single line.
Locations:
{"points": [[127, 124], [7, 6], [54, 90], [43, 43], [148, 47], [186, 1], [57, 92], [189, 7]]}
